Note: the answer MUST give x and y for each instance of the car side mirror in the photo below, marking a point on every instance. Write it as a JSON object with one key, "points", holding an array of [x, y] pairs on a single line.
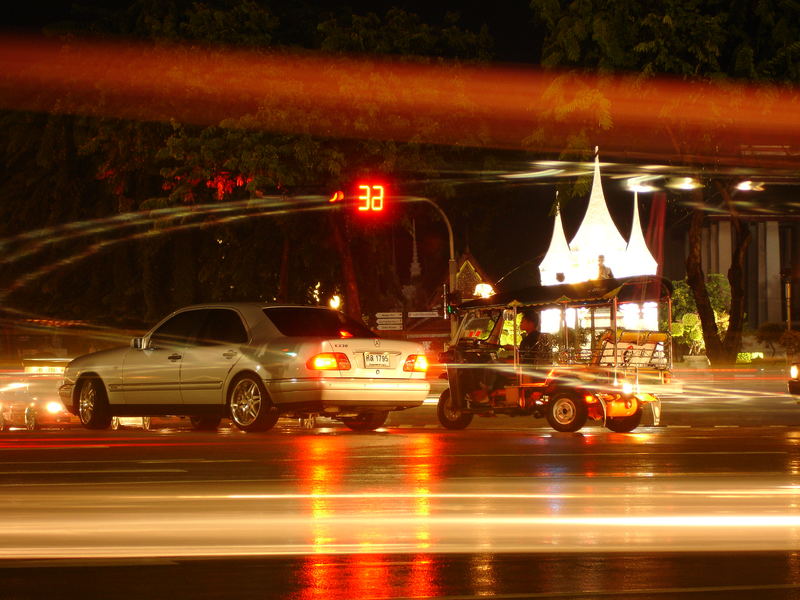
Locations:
{"points": [[138, 343]]}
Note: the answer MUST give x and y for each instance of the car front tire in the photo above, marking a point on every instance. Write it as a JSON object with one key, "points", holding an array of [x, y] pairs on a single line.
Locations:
{"points": [[249, 404], [93, 404]]}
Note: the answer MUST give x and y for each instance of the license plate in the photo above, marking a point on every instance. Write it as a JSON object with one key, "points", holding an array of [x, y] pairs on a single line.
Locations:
{"points": [[372, 359]]}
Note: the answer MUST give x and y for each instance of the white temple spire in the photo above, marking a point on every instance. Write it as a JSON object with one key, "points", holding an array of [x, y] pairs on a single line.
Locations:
{"points": [[597, 235], [558, 258], [638, 260]]}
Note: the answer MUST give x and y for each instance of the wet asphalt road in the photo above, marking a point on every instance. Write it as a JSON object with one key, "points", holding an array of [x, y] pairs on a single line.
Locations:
{"points": [[706, 506]]}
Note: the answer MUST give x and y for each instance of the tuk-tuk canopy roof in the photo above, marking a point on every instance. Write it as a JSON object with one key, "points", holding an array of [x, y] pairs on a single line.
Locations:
{"points": [[646, 288]]}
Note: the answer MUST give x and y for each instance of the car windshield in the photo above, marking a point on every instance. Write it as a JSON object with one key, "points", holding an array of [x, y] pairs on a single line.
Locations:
{"points": [[298, 321], [479, 325]]}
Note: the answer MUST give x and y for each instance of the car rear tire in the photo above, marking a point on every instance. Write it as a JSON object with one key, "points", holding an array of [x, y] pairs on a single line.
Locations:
{"points": [[249, 404], [205, 423], [368, 421], [31, 424], [93, 404], [566, 412], [450, 415], [625, 424]]}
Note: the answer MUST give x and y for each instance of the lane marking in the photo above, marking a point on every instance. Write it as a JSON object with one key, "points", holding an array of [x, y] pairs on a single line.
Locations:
{"points": [[138, 462], [615, 593], [92, 471], [26, 448]]}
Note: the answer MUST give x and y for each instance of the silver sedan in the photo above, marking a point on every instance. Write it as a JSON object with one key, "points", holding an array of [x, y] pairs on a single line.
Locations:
{"points": [[251, 363]]}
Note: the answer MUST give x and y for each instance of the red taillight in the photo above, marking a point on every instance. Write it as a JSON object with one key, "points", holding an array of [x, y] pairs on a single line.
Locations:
{"points": [[329, 361], [416, 362]]}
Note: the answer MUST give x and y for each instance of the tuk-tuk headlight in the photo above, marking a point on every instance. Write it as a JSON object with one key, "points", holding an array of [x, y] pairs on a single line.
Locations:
{"points": [[627, 387], [794, 371]]}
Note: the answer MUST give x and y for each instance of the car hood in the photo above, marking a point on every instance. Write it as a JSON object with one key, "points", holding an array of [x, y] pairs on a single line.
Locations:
{"points": [[101, 357]]}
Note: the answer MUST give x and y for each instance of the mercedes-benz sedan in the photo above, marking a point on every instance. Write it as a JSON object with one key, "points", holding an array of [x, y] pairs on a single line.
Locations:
{"points": [[252, 363]]}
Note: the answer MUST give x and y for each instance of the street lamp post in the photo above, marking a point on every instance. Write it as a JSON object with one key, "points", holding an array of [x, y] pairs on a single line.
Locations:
{"points": [[451, 265]]}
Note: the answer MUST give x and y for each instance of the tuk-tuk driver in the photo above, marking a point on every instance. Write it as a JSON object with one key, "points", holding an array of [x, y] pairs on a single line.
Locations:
{"points": [[535, 346]]}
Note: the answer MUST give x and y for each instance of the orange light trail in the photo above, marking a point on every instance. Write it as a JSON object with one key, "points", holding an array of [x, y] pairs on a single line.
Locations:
{"points": [[442, 104]]}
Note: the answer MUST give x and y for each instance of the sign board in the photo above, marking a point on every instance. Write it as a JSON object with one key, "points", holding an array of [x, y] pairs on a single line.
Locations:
{"points": [[425, 313], [389, 315], [430, 335], [390, 327], [391, 321]]}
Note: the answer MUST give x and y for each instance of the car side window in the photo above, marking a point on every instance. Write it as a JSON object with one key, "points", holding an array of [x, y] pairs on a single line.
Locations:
{"points": [[223, 326], [180, 330]]}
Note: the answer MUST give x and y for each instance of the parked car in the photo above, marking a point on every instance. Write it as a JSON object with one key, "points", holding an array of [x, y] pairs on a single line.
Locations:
{"points": [[252, 363], [794, 379], [29, 398]]}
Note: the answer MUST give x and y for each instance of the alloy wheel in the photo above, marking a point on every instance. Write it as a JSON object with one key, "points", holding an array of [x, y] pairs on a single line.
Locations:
{"points": [[87, 402], [245, 402]]}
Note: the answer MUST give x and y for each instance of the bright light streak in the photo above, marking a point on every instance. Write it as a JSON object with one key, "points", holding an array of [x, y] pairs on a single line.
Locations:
{"points": [[313, 94], [749, 186], [641, 185], [684, 183], [534, 174], [13, 386], [266, 207]]}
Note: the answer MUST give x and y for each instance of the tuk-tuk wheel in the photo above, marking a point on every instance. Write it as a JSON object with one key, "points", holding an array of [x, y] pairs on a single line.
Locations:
{"points": [[625, 424], [450, 415], [566, 412]]}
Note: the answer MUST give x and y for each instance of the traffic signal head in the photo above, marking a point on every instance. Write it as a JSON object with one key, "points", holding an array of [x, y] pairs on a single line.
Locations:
{"points": [[452, 301]]}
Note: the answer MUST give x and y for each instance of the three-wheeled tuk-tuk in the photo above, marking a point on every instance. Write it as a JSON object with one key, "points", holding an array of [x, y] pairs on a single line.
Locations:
{"points": [[600, 355]]}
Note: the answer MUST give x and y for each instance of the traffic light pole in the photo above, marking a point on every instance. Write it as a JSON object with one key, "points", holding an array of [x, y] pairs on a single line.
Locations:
{"points": [[451, 265]]}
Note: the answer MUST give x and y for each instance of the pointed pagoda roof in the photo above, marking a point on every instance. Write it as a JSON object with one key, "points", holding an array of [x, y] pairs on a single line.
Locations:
{"points": [[558, 258], [639, 259], [598, 234]]}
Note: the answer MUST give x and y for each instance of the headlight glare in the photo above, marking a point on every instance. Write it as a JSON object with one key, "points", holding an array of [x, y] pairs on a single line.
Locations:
{"points": [[54, 407]]}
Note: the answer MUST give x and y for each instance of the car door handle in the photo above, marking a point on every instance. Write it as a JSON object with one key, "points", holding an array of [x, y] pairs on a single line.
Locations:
{"points": [[229, 354], [175, 357]]}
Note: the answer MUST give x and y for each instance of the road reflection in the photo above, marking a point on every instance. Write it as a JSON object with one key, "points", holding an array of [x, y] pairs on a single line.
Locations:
{"points": [[412, 493]]}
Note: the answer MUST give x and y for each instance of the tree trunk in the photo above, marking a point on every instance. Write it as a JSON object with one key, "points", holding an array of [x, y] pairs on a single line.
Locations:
{"points": [[741, 239], [696, 279], [352, 303]]}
